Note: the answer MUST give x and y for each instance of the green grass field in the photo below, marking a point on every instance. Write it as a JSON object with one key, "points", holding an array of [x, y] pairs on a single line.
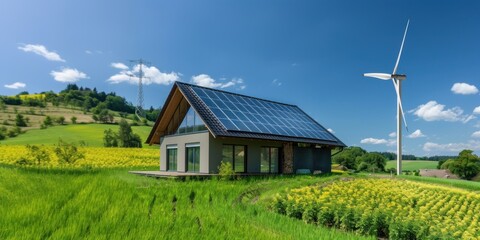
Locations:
{"points": [[113, 204], [91, 134], [411, 165]]}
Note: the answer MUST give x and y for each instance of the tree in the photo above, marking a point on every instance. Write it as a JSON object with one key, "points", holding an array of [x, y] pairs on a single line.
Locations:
{"points": [[3, 133], [349, 157], [67, 152], [73, 119], [372, 162], [110, 138], [48, 121], [20, 121], [126, 137], [466, 165], [60, 120], [38, 154]]}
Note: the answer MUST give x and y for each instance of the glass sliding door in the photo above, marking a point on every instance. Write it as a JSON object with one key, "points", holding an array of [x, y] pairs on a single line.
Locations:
{"points": [[193, 157], [265, 160], [274, 160], [235, 155], [269, 159], [239, 156], [172, 158]]}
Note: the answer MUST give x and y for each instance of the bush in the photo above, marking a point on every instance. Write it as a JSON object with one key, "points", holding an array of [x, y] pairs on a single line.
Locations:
{"points": [[13, 132], [225, 171], [20, 121], [3, 133], [110, 138], [60, 120], [48, 121], [38, 154], [67, 152], [126, 137]]}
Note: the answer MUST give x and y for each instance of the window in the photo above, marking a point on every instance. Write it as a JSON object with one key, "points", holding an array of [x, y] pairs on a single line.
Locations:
{"points": [[269, 160], [191, 123], [171, 157], [193, 157], [236, 155]]}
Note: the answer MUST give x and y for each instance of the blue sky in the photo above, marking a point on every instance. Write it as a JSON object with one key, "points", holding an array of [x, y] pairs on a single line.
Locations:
{"points": [[308, 53]]}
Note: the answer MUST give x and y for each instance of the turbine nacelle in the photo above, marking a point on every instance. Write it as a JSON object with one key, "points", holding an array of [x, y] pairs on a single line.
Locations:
{"points": [[386, 76], [399, 76]]}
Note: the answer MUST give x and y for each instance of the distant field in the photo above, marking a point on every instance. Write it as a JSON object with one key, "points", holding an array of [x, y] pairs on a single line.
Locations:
{"points": [[90, 134], [411, 165]]}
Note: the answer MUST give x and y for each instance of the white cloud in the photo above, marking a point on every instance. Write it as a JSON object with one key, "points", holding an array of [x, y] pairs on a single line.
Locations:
{"points": [[416, 134], [330, 130], [119, 65], [464, 89], [68, 75], [451, 147], [375, 141], [151, 75], [88, 52], [205, 80], [42, 51], [392, 134], [433, 111], [15, 85], [276, 82], [476, 110], [476, 134]]}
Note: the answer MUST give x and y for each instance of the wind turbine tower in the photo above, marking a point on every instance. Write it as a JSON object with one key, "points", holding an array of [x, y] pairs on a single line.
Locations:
{"points": [[397, 83]]}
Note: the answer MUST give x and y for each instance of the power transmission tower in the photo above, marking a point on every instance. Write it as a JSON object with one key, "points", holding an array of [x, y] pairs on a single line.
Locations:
{"points": [[139, 111]]}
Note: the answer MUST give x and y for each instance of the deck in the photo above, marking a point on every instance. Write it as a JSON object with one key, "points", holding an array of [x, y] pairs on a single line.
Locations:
{"points": [[165, 174]]}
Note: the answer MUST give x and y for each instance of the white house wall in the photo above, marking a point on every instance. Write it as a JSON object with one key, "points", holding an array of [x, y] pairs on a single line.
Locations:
{"points": [[181, 140]]}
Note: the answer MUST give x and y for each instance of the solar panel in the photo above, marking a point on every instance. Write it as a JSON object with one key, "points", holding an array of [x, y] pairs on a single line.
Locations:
{"points": [[247, 114]]}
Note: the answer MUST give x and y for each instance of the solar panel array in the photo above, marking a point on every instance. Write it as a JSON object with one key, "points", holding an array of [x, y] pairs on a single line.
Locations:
{"points": [[242, 113]]}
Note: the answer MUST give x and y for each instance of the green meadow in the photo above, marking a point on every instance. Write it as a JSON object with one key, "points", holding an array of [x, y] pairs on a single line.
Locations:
{"points": [[411, 165], [89, 134], [113, 204]]}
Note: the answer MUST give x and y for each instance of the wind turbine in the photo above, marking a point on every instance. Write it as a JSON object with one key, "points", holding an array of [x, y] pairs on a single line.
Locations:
{"points": [[397, 84]]}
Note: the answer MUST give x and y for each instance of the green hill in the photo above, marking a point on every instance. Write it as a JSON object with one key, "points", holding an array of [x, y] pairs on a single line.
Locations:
{"points": [[411, 165], [88, 134]]}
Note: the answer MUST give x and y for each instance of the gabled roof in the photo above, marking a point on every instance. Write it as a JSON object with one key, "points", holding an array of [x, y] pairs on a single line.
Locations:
{"points": [[229, 114]]}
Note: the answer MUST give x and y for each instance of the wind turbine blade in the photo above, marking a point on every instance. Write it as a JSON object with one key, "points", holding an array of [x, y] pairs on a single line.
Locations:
{"points": [[383, 76], [401, 49], [399, 99]]}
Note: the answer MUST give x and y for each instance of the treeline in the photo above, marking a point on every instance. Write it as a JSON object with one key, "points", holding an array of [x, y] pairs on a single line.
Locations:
{"points": [[89, 100], [393, 156]]}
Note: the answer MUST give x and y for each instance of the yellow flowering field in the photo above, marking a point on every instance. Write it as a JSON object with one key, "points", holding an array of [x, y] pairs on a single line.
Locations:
{"points": [[387, 208], [97, 157]]}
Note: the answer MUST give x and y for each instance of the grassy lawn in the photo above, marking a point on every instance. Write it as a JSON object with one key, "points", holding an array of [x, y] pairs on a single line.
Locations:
{"points": [[112, 204], [411, 165], [91, 134]]}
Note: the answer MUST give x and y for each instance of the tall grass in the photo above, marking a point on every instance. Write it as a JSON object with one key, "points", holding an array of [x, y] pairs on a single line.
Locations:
{"points": [[112, 204]]}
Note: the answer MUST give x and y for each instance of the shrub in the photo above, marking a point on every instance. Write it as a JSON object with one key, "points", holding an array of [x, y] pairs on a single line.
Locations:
{"points": [[225, 171], [60, 120], [48, 121], [110, 138], [67, 152], [38, 154], [20, 121]]}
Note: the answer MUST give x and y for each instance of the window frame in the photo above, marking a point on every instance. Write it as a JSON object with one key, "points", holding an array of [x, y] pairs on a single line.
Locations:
{"points": [[232, 159]]}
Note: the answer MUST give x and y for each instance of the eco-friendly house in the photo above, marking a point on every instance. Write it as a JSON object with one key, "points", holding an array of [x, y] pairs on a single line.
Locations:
{"points": [[200, 127]]}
